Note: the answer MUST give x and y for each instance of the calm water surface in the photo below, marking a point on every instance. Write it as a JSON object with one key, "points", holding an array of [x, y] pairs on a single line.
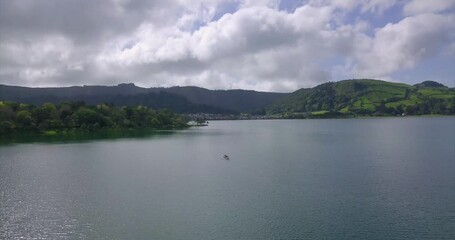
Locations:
{"points": [[388, 178]]}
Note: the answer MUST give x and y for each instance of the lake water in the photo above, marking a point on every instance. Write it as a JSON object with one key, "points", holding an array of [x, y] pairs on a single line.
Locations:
{"points": [[385, 178]]}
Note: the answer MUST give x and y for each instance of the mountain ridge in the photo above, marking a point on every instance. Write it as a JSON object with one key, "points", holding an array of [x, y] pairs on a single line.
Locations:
{"points": [[351, 96], [368, 97], [219, 101]]}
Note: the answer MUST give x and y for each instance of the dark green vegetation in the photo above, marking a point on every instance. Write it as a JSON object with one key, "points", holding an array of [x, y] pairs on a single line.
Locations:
{"points": [[177, 99], [348, 98], [76, 117], [79, 136], [367, 98]]}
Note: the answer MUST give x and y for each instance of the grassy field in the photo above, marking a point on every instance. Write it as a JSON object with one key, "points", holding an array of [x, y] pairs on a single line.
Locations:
{"points": [[370, 97]]}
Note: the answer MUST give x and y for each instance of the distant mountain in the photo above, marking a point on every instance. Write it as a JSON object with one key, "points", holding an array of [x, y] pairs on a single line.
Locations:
{"points": [[347, 97], [430, 84], [179, 99], [236, 100], [368, 97]]}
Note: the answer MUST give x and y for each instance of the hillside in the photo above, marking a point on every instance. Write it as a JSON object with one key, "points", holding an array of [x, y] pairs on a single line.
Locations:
{"points": [[332, 99], [368, 97], [236, 100], [178, 99]]}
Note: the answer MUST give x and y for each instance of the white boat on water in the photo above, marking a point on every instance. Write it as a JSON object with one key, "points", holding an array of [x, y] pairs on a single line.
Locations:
{"points": [[198, 123]]}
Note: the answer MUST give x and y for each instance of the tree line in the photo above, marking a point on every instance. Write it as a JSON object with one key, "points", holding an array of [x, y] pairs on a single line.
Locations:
{"points": [[77, 116]]}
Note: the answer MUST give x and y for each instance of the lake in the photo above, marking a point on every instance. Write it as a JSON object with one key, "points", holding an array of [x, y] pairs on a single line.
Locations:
{"points": [[377, 178]]}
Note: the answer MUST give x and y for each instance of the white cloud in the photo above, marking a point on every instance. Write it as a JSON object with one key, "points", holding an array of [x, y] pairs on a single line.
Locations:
{"points": [[246, 31], [34, 74], [415, 7], [345, 4], [450, 50], [50, 49], [377, 6], [374, 6], [402, 45], [254, 45], [263, 3]]}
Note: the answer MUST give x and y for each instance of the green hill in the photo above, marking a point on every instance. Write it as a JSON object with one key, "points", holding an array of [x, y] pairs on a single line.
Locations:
{"points": [[178, 99], [367, 97], [332, 99]]}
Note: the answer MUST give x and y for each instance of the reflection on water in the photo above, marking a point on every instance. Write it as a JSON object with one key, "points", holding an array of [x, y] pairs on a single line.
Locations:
{"points": [[83, 136], [390, 178]]}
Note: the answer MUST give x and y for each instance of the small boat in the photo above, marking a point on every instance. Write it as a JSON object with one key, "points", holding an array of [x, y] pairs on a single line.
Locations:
{"points": [[226, 157], [198, 123]]}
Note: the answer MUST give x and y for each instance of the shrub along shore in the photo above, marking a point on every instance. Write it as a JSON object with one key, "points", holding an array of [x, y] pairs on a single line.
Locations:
{"points": [[76, 117]]}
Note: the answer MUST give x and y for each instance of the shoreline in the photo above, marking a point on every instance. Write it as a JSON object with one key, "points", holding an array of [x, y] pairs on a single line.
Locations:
{"points": [[80, 136], [104, 134], [345, 117]]}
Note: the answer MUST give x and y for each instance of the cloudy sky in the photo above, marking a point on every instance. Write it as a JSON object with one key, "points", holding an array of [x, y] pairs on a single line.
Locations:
{"points": [[267, 45]]}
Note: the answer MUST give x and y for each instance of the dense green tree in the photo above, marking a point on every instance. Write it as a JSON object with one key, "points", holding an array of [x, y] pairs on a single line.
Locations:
{"points": [[6, 112], [6, 127], [25, 120], [87, 117], [79, 117]]}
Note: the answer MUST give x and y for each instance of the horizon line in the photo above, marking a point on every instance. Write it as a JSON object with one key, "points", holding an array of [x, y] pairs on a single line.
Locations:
{"points": [[232, 89]]}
